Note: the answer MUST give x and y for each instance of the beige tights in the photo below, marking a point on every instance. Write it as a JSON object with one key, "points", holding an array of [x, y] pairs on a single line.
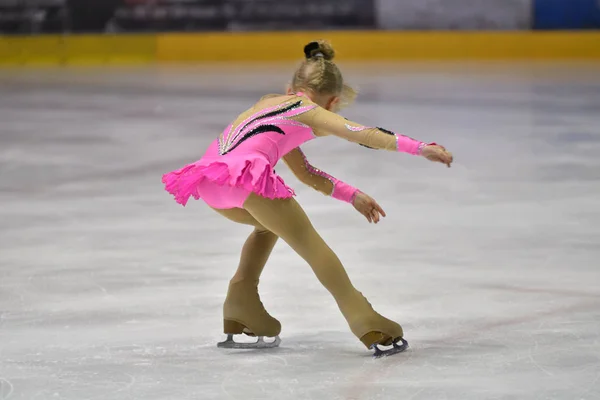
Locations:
{"points": [[286, 219]]}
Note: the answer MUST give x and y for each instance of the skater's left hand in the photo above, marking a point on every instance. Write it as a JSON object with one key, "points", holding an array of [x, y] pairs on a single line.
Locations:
{"points": [[368, 207], [437, 153]]}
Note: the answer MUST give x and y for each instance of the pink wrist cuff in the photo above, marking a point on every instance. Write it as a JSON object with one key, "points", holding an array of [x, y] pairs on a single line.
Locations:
{"points": [[344, 192], [409, 145]]}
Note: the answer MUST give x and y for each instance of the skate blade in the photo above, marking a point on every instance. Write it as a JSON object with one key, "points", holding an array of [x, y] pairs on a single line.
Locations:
{"points": [[259, 344], [396, 348]]}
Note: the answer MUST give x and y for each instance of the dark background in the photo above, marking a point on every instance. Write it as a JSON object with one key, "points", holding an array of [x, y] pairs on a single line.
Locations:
{"points": [[93, 16]]}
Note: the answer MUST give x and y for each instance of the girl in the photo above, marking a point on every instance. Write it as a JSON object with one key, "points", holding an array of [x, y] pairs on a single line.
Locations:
{"points": [[236, 178]]}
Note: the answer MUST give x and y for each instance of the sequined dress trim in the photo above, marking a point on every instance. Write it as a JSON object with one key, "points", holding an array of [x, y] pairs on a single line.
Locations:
{"points": [[316, 171], [267, 120], [361, 128]]}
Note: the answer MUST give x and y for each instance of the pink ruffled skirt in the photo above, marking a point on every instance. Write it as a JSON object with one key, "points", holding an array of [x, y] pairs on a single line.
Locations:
{"points": [[227, 181]]}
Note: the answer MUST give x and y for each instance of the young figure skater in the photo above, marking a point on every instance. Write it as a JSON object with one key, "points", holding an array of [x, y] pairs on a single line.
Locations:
{"points": [[236, 178]]}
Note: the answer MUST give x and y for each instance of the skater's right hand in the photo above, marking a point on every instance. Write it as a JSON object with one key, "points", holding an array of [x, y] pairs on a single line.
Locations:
{"points": [[437, 153], [368, 207]]}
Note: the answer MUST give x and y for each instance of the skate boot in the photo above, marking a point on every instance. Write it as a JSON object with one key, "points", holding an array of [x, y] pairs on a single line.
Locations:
{"points": [[373, 329], [244, 313]]}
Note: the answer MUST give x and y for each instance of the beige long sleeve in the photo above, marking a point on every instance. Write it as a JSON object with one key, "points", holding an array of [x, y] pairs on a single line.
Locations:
{"points": [[325, 123], [307, 174]]}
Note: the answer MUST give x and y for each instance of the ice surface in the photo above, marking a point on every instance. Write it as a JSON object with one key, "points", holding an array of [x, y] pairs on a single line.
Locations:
{"points": [[110, 290]]}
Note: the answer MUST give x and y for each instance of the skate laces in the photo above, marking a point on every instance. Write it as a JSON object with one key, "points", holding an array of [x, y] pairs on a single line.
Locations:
{"points": [[254, 296], [262, 306]]}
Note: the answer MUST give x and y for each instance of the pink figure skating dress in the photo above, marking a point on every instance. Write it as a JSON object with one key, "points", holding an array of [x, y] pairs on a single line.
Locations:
{"points": [[241, 160]]}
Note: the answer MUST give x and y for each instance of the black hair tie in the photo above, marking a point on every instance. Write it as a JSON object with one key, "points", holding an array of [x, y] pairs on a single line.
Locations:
{"points": [[309, 48]]}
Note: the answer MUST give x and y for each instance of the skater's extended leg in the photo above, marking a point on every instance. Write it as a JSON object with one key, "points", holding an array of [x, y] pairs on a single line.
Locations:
{"points": [[243, 310], [287, 219]]}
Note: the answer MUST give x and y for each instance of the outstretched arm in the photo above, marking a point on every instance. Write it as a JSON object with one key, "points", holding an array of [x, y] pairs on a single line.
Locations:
{"points": [[317, 179], [324, 123]]}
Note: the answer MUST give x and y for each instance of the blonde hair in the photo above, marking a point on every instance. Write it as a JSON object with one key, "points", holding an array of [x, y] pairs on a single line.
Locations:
{"points": [[320, 75]]}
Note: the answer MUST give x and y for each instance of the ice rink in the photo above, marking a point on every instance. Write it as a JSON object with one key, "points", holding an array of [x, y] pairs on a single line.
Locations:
{"points": [[109, 290]]}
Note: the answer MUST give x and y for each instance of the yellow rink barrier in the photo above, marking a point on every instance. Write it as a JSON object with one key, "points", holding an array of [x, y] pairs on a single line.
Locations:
{"points": [[78, 50], [379, 45], [284, 46]]}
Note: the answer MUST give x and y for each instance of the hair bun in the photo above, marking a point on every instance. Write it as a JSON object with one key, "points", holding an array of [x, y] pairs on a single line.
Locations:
{"points": [[320, 48]]}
